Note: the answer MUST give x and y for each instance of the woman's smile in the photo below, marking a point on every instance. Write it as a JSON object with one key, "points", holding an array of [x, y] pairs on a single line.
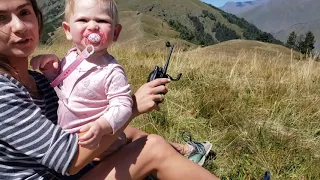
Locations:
{"points": [[23, 42]]}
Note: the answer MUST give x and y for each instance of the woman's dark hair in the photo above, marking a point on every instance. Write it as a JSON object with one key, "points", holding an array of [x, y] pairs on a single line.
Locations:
{"points": [[38, 14]]}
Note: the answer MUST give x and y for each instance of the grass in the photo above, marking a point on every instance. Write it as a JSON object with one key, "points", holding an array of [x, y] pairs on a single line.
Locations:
{"points": [[260, 110]]}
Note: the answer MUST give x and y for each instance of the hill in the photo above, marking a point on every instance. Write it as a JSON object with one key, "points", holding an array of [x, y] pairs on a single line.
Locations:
{"points": [[234, 48], [194, 21]]}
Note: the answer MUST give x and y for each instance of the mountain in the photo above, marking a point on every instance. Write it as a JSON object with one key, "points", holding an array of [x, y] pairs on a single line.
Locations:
{"points": [[240, 7], [301, 28], [189, 22], [280, 17]]}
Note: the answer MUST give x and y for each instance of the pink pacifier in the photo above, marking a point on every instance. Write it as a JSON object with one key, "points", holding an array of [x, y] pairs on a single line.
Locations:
{"points": [[94, 38]]}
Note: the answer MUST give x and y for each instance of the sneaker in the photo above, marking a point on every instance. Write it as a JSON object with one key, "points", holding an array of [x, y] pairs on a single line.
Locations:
{"points": [[150, 177], [201, 150]]}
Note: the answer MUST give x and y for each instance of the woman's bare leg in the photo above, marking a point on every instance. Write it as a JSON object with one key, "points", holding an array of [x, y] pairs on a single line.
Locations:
{"points": [[145, 155], [133, 134]]}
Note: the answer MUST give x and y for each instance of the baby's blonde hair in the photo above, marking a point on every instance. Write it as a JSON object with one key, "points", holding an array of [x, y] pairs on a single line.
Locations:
{"points": [[111, 5]]}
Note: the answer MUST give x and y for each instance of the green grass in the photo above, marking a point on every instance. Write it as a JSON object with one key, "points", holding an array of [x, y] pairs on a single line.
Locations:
{"points": [[260, 110]]}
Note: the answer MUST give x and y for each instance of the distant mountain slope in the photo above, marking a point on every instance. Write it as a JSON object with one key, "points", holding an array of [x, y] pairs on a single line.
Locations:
{"points": [[280, 17], [302, 28], [240, 7]]}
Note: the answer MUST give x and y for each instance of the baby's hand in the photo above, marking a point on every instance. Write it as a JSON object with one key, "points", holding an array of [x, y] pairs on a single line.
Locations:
{"points": [[48, 64], [93, 134], [45, 62]]}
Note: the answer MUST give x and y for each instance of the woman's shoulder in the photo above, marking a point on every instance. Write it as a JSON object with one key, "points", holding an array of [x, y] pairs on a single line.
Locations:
{"points": [[9, 81]]}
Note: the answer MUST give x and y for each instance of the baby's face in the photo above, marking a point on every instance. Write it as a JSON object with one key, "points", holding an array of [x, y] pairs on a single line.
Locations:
{"points": [[91, 24]]}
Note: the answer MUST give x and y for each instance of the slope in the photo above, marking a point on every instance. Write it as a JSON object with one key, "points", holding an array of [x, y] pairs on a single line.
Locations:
{"points": [[147, 32]]}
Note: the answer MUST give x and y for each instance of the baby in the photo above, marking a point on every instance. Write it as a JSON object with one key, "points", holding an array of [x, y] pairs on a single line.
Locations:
{"points": [[95, 98]]}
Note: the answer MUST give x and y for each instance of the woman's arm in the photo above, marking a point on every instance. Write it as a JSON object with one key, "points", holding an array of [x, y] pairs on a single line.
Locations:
{"points": [[28, 132], [144, 100]]}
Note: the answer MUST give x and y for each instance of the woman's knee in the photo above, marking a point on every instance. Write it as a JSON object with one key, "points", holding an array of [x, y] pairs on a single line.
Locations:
{"points": [[159, 147]]}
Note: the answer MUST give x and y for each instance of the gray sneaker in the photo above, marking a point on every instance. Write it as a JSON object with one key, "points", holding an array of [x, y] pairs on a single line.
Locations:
{"points": [[200, 153], [201, 150]]}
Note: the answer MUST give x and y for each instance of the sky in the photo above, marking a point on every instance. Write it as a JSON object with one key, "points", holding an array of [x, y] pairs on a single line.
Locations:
{"points": [[219, 3]]}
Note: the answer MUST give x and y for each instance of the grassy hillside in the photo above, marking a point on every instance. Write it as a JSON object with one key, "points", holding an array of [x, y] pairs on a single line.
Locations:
{"points": [[147, 32], [260, 110], [194, 22]]}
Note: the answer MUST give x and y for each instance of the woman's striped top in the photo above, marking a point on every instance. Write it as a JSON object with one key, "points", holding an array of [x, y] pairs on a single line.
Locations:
{"points": [[32, 146]]}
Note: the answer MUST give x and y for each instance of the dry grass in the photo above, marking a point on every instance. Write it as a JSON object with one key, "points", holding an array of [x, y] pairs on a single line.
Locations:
{"points": [[260, 110]]}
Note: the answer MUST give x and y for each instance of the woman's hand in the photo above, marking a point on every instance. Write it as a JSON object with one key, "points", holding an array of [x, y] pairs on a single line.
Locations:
{"points": [[147, 96]]}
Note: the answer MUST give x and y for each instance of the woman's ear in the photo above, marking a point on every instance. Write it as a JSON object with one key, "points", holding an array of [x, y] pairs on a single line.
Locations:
{"points": [[66, 28], [117, 31]]}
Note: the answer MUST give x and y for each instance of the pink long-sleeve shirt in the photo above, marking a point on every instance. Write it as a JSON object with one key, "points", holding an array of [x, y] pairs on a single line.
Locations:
{"points": [[93, 90]]}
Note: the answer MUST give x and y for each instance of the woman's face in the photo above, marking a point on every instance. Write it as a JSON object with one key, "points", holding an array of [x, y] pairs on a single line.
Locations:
{"points": [[19, 29]]}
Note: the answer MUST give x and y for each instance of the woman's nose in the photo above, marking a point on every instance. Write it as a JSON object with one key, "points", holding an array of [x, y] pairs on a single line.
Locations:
{"points": [[93, 25], [18, 26]]}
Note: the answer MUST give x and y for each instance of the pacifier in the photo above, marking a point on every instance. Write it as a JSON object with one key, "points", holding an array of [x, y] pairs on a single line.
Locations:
{"points": [[94, 38]]}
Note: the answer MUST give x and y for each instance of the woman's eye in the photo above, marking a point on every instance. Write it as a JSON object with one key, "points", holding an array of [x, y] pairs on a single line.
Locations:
{"points": [[25, 12], [2, 17]]}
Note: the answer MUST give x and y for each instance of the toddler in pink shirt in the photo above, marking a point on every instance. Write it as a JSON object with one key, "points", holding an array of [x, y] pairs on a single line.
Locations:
{"points": [[95, 98]]}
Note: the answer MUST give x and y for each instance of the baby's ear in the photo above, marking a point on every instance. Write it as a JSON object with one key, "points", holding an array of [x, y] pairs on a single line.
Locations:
{"points": [[66, 28], [117, 31]]}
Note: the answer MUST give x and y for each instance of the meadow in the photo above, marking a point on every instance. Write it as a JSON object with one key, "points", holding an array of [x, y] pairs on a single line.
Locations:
{"points": [[260, 110]]}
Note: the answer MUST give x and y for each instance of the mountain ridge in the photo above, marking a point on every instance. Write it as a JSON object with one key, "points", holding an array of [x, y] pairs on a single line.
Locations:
{"points": [[240, 7], [281, 17]]}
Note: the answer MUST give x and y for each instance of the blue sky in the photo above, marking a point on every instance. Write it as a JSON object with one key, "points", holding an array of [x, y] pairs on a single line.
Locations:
{"points": [[219, 3]]}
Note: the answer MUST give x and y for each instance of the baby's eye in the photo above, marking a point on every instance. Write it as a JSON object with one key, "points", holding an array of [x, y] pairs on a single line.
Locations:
{"points": [[103, 21], [82, 20]]}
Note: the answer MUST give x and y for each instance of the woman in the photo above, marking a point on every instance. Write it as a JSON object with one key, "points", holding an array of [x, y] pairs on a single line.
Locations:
{"points": [[33, 147]]}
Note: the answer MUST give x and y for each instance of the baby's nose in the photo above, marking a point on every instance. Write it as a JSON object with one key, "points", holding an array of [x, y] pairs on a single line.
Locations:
{"points": [[93, 25]]}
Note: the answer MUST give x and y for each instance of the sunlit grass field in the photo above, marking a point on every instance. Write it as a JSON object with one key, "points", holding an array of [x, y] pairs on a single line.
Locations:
{"points": [[261, 111]]}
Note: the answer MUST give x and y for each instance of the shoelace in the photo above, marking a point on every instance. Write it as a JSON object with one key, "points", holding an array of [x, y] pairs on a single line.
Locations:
{"points": [[199, 148]]}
